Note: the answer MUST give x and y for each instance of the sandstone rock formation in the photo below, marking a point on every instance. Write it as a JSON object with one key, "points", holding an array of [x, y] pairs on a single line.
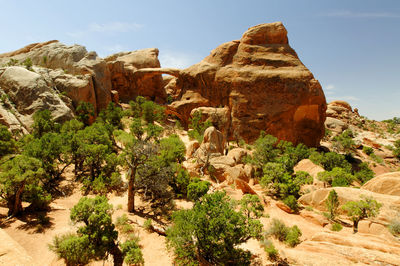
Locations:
{"points": [[131, 83], [388, 183], [390, 204], [262, 82], [29, 92], [74, 60]]}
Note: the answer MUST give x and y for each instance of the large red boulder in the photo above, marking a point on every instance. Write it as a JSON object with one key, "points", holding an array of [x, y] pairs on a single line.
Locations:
{"points": [[263, 83]]}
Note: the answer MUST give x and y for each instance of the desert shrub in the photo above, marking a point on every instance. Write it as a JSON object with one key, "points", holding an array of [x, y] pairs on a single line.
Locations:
{"points": [[336, 227], [148, 225], [28, 63], [376, 158], [368, 150], [330, 160], [364, 173], [84, 111], [289, 235], [212, 230], [278, 229], [358, 210], [302, 177], [332, 204], [112, 115], [293, 236], [132, 253], [197, 188], [396, 150], [394, 227], [197, 126], [291, 201], [338, 177], [264, 150], [7, 143], [180, 181], [272, 252], [72, 248], [278, 181], [344, 142], [251, 206]]}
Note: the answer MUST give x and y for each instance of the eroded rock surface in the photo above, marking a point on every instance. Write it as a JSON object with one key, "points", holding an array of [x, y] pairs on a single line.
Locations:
{"points": [[263, 83]]}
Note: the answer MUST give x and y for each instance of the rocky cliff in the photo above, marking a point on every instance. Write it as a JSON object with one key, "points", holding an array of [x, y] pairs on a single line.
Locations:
{"points": [[263, 83]]}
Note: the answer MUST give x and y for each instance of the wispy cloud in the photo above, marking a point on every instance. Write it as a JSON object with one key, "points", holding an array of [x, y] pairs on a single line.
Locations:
{"points": [[354, 14], [177, 59], [348, 98], [111, 27]]}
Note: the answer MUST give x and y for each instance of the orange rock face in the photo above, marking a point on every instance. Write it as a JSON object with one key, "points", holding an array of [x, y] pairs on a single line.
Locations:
{"points": [[263, 83]]}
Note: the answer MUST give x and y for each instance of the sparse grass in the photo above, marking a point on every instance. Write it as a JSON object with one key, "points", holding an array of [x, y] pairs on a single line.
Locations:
{"points": [[394, 227], [148, 225], [336, 227]]}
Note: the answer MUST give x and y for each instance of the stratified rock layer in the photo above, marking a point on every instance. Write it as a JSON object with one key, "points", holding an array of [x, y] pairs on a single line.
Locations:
{"points": [[263, 83]]}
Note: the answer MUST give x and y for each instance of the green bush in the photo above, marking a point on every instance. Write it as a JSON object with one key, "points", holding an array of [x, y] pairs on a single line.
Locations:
{"points": [[364, 173], [197, 188], [291, 201], [148, 225], [197, 126], [332, 204], [272, 252], [394, 227], [293, 236], [338, 177], [368, 150], [72, 248], [336, 227], [132, 252], [330, 160], [289, 235], [212, 231]]}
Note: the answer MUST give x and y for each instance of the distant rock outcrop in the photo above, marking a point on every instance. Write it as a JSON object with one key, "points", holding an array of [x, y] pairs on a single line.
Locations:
{"points": [[131, 83], [388, 183], [29, 92], [263, 83]]}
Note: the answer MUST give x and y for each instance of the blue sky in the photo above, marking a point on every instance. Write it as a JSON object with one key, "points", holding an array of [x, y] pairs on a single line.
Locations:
{"points": [[352, 47]]}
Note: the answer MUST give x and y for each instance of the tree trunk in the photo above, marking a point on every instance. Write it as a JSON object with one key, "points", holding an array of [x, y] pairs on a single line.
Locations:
{"points": [[15, 205], [355, 226], [131, 191], [118, 257]]}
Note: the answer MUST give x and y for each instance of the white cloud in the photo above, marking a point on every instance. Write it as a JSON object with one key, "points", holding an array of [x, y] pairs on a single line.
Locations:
{"points": [[177, 59], [352, 14], [348, 98], [111, 27], [330, 87]]}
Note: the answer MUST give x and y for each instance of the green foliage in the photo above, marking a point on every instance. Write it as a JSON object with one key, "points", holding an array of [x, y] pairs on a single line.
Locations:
{"points": [[289, 235], [364, 173], [197, 188], [338, 177], [180, 181], [272, 252], [290, 155], [344, 142], [278, 181], [172, 149], [20, 179], [72, 248], [96, 236], [332, 204], [197, 126], [368, 150], [212, 230], [132, 252], [365, 208], [330, 160], [396, 150], [43, 123], [336, 227], [148, 225], [265, 150], [152, 112], [394, 227], [28, 63], [291, 201], [84, 112], [7, 143], [251, 206], [112, 115], [303, 177], [12, 62], [377, 158], [293, 236]]}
